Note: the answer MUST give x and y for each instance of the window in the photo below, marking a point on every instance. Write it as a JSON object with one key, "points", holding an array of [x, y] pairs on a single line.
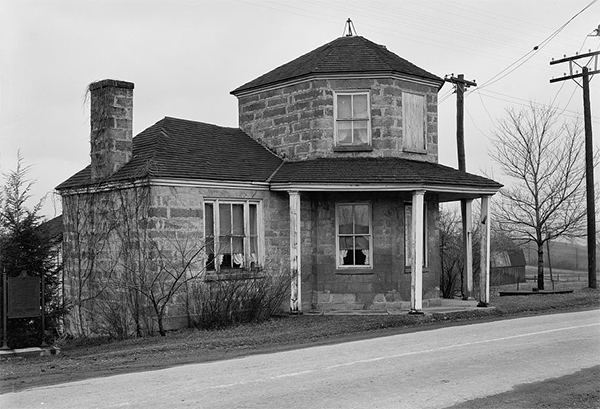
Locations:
{"points": [[413, 122], [408, 234], [353, 234], [231, 234], [352, 117]]}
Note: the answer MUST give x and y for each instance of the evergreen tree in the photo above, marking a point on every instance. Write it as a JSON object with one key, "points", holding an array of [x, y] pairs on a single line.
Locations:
{"points": [[27, 248]]}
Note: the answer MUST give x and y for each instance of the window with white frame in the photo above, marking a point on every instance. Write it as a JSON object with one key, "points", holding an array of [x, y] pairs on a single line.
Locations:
{"points": [[353, 235], [232, 235], [408, 234], [352, 119], [414, 117]]}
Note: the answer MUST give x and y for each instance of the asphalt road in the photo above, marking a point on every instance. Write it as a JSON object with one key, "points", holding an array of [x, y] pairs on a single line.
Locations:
{"points": [[426, 369]]}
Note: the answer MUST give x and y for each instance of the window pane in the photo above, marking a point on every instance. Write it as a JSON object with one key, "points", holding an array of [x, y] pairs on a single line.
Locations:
{"points": [[346, 243], [238, 219], [361, 257], [361, 219], [347, 258], [344, 132], [209, 228], [360, 107], [253, 220], [209, 236], [238, 245], [345, 219], [361, 135], [344, 106], [210, 253], [225, 219], [224, 244], [362, 243]]}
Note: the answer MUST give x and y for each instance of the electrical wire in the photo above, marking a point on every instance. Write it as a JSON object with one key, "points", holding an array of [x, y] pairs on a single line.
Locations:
{"points": [[522, 60]]}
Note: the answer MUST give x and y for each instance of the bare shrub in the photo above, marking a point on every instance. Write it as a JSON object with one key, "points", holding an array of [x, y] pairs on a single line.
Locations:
{"points": [[243, 296]]}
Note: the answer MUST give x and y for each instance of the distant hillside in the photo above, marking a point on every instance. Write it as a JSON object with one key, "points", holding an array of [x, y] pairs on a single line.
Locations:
{"points": [[565, 256]]}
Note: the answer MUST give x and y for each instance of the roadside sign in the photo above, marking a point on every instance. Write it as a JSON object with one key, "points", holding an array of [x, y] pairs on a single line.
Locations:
{"points": [[24, 296]]}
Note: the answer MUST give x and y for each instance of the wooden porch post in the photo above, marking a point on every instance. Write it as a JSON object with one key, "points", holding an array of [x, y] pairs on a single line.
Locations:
{"points": [[484, 279], [295, 261], [468, 249], [416, 268]]}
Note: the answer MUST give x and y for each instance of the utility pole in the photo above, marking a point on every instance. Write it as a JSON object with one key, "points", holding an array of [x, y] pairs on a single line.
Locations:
{"points": [[465, 208], [585, 76], [461, 86]]}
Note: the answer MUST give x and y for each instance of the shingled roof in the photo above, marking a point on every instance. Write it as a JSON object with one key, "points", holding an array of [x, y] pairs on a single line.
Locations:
{"points": [[344, 55], [387, 170], [181, 149]]}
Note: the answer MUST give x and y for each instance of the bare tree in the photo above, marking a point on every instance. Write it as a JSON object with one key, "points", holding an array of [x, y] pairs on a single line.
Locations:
{"points": [[451, 253], [544, 158], [169, 266]]}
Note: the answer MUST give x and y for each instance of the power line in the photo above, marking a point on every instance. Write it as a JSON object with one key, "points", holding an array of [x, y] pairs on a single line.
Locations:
{"points": [[522, 60], [565, 112]]}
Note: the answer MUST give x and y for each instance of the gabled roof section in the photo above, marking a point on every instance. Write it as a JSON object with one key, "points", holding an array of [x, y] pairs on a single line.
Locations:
{"points": [[180, 149], [344, 55]]}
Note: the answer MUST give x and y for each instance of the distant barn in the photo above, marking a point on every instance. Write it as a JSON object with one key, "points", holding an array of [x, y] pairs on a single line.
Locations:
{"points": [[507, 267]]}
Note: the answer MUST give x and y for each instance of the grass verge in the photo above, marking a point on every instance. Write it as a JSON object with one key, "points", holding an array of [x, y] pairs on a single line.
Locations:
{"points": [[87, 358]]}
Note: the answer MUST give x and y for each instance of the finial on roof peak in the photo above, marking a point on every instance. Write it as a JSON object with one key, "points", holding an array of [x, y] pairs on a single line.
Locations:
{"points": [[348, 27]]}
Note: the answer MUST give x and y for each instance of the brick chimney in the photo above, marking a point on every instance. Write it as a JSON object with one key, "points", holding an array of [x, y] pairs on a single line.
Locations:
{"points": [[111, 121]]}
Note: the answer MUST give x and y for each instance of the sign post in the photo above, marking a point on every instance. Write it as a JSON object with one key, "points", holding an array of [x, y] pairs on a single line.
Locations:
{"points": [[22, 297], [4, 312]]}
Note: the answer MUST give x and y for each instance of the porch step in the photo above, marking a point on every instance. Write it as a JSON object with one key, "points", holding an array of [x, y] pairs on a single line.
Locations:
{"points": [[347, 306]]}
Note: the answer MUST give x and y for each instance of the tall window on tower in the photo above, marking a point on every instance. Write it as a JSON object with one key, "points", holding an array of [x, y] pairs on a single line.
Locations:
{"points": [[414, 122], [352, 119], [353, 231]]}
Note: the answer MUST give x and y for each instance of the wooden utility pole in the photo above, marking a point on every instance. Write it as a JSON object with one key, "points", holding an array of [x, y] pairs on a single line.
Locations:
{"points": [[461, 86], [585, 76], [465, 207]]}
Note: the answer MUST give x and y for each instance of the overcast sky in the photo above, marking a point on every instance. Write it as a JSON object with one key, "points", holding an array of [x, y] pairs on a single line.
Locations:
{"points": [[186, 56]]}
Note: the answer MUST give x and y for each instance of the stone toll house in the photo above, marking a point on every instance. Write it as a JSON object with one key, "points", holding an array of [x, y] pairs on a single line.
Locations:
{"points": [[332, 174]]}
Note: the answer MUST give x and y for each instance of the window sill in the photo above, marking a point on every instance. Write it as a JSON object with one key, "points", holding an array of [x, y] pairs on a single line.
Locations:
{"points": [[354, 271], [233, 274], [414, 150], [408, 269], [353, 148]]}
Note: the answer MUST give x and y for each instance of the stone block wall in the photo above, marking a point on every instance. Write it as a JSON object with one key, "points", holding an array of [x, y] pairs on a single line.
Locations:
{"points": [[106, 231], [387, 284], [298, 121]]}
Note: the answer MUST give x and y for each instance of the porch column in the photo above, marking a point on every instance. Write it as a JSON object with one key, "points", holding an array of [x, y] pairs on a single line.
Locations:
{"points": [[484, 279], [295, 264], [416, 268], [468, 248]]}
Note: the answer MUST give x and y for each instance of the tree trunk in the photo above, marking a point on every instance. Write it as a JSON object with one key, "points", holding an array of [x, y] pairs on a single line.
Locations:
{"points": [[540, 274], [161, 329]]}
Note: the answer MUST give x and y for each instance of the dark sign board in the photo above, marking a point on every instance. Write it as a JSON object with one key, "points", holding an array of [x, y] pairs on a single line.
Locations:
{"points": [[23, 297]]}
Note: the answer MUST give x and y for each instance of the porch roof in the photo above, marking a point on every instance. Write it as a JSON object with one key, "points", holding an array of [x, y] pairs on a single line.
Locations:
{"points": [[381, 174]]}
